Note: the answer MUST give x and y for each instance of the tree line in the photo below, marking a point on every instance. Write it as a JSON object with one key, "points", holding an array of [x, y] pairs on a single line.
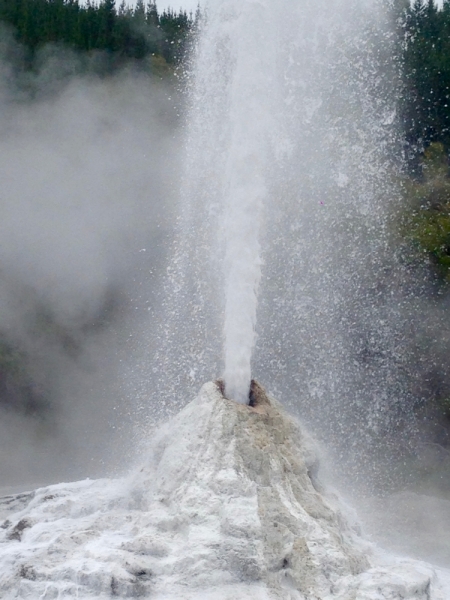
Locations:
{"points": [[424, 30], [426, 68], [131, 33]]}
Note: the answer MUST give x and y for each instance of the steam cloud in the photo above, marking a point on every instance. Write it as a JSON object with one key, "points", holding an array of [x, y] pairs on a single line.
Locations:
{"points": [[87, 169]]}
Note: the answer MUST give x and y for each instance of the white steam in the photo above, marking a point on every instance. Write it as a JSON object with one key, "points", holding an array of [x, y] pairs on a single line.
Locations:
{"points": [[86, 170]]}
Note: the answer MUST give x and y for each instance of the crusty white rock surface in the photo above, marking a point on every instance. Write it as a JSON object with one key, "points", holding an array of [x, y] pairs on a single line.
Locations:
{"points": [[226, 507]]}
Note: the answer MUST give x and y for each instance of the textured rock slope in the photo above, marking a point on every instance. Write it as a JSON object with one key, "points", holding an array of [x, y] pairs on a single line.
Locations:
{"points": [[226, 506]]}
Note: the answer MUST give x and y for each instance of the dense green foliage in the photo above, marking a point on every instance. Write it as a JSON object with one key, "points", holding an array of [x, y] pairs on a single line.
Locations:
{"points": [[428, 223], [425, 113], [128, 32], [427, 73]]}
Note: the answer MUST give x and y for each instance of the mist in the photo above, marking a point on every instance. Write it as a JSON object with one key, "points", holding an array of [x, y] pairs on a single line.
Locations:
{"points": [[88, 169]]}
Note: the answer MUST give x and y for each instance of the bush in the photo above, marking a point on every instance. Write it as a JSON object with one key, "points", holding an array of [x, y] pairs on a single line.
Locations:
{"points": [[428, 224]]}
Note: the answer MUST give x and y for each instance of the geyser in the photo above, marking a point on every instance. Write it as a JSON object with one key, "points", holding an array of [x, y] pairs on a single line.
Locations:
{"points": [[216, 271], [282, 268], [288, 142]]}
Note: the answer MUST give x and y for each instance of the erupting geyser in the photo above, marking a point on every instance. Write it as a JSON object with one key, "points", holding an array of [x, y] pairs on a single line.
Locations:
{"points": [[289, 137], [216, 272], [288, 141]]}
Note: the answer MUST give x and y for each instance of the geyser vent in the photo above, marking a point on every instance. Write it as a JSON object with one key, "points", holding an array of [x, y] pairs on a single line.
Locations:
{"points": [[257, 395]]}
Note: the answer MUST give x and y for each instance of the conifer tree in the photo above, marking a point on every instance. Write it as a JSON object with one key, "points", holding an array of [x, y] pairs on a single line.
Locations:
{"points": [[125, 32]]}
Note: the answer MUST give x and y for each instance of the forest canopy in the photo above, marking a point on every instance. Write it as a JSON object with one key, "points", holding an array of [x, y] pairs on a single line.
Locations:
{"points": [[426, 66], [126, 32]]}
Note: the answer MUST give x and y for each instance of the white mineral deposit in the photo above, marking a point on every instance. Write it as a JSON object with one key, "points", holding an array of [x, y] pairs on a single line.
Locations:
{"points": [[227, 505]]}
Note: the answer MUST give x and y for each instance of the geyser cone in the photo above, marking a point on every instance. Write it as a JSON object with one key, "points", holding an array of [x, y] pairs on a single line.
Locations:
{"points": [[227, 506], [247, 473]]}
